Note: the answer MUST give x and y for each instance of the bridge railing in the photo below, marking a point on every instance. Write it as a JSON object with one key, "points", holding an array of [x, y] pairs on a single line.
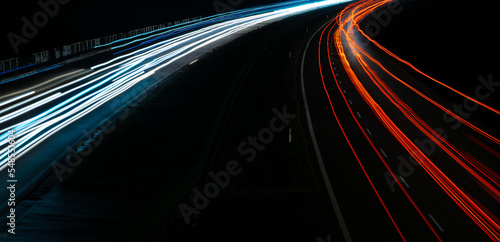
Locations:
{"points": [[17, 63]]}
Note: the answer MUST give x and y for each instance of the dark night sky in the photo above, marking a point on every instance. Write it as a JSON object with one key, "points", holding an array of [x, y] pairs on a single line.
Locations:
{"points": [[86, 19]]}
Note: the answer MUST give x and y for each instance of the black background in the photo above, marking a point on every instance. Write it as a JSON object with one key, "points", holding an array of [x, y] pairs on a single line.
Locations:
{"points": [[80, 20], [451, 40]]}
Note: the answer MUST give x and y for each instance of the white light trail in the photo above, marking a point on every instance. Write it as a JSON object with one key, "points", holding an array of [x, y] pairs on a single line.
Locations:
{"points": [[39, 117]]}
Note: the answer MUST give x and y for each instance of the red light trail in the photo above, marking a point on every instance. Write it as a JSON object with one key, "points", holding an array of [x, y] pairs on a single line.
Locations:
{"points": [[347, 30]]}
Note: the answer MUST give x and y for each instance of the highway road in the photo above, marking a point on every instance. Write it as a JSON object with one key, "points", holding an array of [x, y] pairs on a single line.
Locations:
{"points": [[394, 164], [51, 114], [404, 171]]}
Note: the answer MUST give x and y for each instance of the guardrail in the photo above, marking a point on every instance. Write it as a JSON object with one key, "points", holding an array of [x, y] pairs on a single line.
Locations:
{"points": [[18, 63]]}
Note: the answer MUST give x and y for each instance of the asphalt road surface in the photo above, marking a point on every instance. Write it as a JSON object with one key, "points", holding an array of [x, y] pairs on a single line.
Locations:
{"points": [[403, 171]]}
